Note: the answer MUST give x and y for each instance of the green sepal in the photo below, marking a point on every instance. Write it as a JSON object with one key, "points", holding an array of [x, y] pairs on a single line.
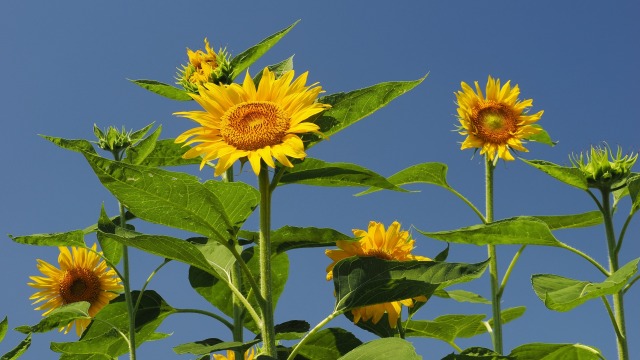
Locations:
{"points": [[568, 175], [163, 89], [383, 349]]}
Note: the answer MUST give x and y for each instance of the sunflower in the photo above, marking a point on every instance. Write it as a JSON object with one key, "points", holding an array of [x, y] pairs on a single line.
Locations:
{"points": [[81, 277], [242, 122], [232, 356], [392, 244], [496, 123]]}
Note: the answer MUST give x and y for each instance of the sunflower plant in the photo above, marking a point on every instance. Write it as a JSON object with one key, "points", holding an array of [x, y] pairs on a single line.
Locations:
{"points": [[267, 124]]}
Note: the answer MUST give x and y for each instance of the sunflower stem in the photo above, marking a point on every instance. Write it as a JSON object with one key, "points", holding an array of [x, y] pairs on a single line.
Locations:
{"points": [[224, 321], [268, 330], [493, 262], [320, 325]]}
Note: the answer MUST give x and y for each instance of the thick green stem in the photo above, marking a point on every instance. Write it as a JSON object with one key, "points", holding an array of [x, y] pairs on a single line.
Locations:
{"points": [[493, 262], [268, 330], [618, 303]]}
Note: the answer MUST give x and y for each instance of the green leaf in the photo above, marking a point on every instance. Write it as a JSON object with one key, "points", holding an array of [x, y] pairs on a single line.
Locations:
{"points": [[319, 173], [568, 175], [522, 230], [383, 349], [366, 281], [167, 153], [20, 349], [101, 338], [81, 146], [139, 134], [426, 173], [563, 294], [348, 108], [278, 70], [443, 255], [506, 315], [542, 137], [4, 325], [238, 199], [59, 317], [328, 344], [556, 222], [540, 351], [112, 250], [243, 60], [138, 152], [291, 237], [634, 192], [86, 357], [477, 353], [71, 238], [291, 330], [462, 296], [210, 345], [163, 89], [381, 328]]}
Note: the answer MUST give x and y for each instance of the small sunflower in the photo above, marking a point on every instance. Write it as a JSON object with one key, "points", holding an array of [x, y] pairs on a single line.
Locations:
{"points": [[496, 123], [392, 244], [81, 277], [242, 122], [248, 355], [203, 67]]}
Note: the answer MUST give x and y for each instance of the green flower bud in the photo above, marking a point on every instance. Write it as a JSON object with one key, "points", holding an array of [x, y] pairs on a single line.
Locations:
{"points": [[205, 67], [111, 139], [602, 170]]}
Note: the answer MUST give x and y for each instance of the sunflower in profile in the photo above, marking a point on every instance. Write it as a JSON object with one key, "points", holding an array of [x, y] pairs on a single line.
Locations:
{"points": [[495, 123], [258, 124], [392, 244], [82, 277], [248, 355]]}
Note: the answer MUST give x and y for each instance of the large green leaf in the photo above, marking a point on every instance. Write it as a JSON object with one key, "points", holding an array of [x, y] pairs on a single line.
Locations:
{"points": [[17, 351], [348, 108], [291, 237], [163, 89], [462, 296], [523, 230], [568, 175], [71, 238], [366, 281], [238, 199], [383, 349], [100, 338], [555, 222], [563, 294], [426, 173], [540, 351], [80, 145], [243, 60], [328, 344], [167, 153], [59, 317], [320, 173], [138, 152]]}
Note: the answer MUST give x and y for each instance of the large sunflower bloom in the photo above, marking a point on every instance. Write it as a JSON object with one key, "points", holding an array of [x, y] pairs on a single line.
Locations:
{"points": [[241, 121], [248, 355], [81, 277], [497, 122], [392, 244]]}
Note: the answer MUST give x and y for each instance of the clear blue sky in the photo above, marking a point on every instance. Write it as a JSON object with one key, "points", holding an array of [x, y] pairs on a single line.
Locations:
{"points": [[64, 67]]}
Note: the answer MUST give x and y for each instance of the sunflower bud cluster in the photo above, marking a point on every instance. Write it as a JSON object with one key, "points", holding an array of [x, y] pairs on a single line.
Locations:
{"points": [[205, 67], [602, 169], [112, 139]]}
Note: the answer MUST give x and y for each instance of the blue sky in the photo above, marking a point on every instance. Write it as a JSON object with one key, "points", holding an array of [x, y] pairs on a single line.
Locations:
{"points": [[64, 67]]}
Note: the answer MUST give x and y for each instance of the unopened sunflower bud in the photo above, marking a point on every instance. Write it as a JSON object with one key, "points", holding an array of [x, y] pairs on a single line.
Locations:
{"points": [[205, 67], [111, 139], [602, 169]]}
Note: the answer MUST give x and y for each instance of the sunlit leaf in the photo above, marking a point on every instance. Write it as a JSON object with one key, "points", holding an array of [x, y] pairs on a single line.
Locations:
{"points": [[80, 145], [568, 175], [243, 60], [523, 230], [542, 136], [348, 108], [112, 250], [291, 237], [291, 330], [540, 351], [71, 238], [462, 296], [238, 199], [163, 89], [426, 173], [563, 294], [328, 344], [167, 153], [17, 351], [138, 152], [59, 317], [278, 70], [383, 349], [4, 325], [506, 315], [556, 222]]}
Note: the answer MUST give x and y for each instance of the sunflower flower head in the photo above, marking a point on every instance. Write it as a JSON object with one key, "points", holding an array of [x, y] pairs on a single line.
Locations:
{"points": [[82, 276], [258, 124], [112, 139], [495, 123], [602, 169], [248, 355], [204, 67], [390, 244]]}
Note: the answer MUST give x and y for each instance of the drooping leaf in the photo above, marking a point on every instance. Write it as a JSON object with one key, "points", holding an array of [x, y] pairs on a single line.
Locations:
{"points": [[426, 173], [366, 281], [163, 89], [522, 230], [556, 222], [167, 153], [138, 152], [4, 325], [563, 294], [443, 255], [112, 250], [568, 175], [59, 317], [210, 345], [348, 108], [381, 328], [17, 351], [71, 238], [291, 330], [540, 351], [278, 70], [328, 344], [542, 136], [320, 173], [383, 349], [243, 60], [477, 353], [461, 296], [291, 237]]}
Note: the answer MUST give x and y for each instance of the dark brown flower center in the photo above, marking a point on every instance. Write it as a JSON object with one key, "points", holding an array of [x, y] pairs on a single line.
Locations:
{"points": [[79, 284], [254, 125], [494, 122], [380, 254]]}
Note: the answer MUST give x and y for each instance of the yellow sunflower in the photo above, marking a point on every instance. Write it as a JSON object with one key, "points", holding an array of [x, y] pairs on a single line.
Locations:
{"points": [[241, 121], [497, 122], [232, 356], [201, 64], [81, 277], [392, 244]]}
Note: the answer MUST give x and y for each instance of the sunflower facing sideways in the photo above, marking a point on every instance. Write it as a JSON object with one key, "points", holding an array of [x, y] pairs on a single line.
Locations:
{"points": [[392, 244], [241, 121], [248, 355], [82, 276], [495, 123]]}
